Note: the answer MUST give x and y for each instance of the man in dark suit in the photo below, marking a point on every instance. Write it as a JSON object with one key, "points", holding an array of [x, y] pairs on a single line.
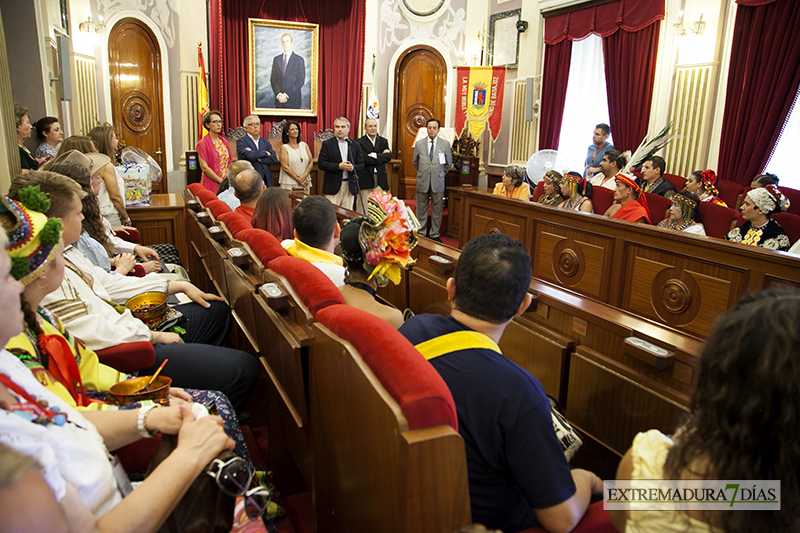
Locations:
{"points": [[377, 154], [653, 180], [432, 159], [342, 160], [256, 149], [288, 76]]}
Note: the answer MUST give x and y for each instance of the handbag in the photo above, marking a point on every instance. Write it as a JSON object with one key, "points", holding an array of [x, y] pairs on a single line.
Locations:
{"points": [[203, 508]]}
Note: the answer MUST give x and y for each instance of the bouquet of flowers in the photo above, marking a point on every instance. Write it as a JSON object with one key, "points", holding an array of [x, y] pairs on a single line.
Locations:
{"points": [[388, 237]]}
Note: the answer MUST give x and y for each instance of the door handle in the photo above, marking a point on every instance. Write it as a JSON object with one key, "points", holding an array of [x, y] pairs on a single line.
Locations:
{"points": [[158, 153]]}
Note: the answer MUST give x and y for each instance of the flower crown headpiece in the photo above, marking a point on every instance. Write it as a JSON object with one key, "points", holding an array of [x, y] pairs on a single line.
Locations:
{"points": [[32, 236], [768, 199]]}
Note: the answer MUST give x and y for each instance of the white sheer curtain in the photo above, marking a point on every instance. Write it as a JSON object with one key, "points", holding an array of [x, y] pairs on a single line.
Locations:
{"points": [[586, 104], [783, 162]]}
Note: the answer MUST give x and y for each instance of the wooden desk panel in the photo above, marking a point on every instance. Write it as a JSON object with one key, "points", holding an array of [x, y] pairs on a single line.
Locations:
{"points": [[683, 281], [162, 222]]}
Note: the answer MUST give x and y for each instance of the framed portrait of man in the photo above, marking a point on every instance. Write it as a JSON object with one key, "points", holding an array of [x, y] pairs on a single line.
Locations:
{"points": [[284, 68]]}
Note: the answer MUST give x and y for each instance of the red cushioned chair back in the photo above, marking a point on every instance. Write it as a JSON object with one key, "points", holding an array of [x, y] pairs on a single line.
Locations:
{"points": [[205, 196], [235, 222], [412, 382], [218, 207], [679, 182], [596, 520], [659, 207], [264, 244], [790, 224], [730, 192], [793, 195], [717, 219], [195, 188], [538, 191], [602, 199], [128, 357], [314, 288]]}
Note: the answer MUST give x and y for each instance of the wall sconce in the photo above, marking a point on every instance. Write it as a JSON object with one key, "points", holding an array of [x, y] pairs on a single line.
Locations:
{"points": [[698, 28], [90, 27]]}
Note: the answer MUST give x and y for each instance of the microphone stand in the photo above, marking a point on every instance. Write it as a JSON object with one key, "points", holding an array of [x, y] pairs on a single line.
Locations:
{"points": [[358, 185]]}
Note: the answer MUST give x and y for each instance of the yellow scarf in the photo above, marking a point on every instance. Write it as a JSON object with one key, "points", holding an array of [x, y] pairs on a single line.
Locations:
{"points": [[312, 255]]}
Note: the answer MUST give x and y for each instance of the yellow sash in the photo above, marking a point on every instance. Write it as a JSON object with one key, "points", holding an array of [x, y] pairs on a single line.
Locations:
{"points": [[312, 255], [454, 342]]}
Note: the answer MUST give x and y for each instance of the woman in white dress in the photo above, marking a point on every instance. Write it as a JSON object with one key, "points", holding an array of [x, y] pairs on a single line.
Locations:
{"points": [[296, 160], [112, 190]]}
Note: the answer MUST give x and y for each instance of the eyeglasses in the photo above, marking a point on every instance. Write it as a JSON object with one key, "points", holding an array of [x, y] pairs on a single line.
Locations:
{"points": [[233, 477], [254, 124]]}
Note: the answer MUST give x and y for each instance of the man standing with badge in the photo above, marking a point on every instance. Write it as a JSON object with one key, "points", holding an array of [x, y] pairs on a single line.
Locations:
{"points": [[432, 159]]}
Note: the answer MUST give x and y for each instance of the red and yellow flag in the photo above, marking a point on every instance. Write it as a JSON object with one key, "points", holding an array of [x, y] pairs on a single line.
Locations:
{"points": [[480, 99], [202, 92]]}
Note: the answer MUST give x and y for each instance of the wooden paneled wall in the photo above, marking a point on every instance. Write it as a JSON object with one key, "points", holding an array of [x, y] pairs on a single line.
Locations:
{"points": [[679, 280]]}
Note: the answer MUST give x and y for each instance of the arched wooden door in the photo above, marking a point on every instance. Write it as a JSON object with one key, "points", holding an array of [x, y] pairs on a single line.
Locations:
{"points": [[420, 81], [134, 58]]}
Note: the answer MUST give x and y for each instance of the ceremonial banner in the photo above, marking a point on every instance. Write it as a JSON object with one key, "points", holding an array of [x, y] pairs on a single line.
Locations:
{"points": [[202, 92], [373, 107], [480, 92]]}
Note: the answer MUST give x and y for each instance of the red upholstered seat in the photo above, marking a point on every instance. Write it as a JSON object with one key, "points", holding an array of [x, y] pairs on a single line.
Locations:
{"points": [[235, 222], [195, 188], [718, 220], [130, 235], [730, 193], [315, 289], [679, 182], [264, 244], [205, 196], [596, 520], [659, 207], [793, 195], [128, 357], [790, 224], [418, 389], [218, 207], [538, 191], [602, 199]]}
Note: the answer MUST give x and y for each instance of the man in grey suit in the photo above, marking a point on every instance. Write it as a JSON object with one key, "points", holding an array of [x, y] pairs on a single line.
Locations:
{"points": [[432, 159]]}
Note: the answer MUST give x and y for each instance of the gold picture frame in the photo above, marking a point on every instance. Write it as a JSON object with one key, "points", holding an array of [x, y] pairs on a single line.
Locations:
{"points": [[283, 84]]}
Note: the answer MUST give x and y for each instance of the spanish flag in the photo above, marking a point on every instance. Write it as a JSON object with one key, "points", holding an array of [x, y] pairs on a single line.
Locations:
{"points": [[202, 92]]}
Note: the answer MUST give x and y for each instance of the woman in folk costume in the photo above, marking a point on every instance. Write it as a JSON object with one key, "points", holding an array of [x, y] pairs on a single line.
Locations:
{"points": [[578, 191], [684, 214], [759, 229], [703, 184], [552, 189]]}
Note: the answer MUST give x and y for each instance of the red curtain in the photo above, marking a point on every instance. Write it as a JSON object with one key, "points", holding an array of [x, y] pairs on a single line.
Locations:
{"points": [[341, 57], [630, 67], [762, 83], [629, 72], [557, 58]]}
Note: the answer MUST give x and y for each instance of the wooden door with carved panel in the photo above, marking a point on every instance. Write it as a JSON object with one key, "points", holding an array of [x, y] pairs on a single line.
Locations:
{"points": [[420, 80], [134, 58]]}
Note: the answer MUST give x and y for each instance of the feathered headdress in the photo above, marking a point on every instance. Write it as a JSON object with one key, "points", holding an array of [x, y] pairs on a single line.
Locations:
{"points": [[649, 147]]}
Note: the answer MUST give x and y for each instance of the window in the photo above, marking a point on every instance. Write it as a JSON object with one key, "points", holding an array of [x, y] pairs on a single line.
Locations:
{"points": [[783, 161], [586, 103]]}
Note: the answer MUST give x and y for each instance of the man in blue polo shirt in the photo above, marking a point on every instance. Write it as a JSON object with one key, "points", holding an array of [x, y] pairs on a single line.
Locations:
{"points": [[597, 150], [518, 475]]}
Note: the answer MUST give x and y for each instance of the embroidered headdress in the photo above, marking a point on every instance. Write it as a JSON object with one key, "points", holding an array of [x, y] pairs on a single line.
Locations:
{"points": [[630, 182], [32, 237], [768, 199]]}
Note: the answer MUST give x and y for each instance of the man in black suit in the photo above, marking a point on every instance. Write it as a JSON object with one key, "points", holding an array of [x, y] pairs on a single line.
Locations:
{"points": [[342, 160], [653, 180], [256, 149], [377, 154], [288, 76]]}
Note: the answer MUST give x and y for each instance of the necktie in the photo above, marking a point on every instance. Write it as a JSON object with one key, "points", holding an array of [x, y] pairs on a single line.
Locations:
{"points": [[432, 143], [285, 61]]}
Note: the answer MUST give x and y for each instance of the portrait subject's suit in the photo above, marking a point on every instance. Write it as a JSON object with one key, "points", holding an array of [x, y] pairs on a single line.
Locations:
{"points": [[290, 81], [431, 181], [261, 156], [329, 159]]}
